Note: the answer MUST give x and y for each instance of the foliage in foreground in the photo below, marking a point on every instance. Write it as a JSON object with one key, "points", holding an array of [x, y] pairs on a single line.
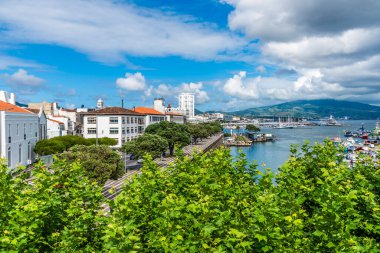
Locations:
{"points": [[99, 162], [60, 144], [208, 204], [59, 212], [213, 204]]}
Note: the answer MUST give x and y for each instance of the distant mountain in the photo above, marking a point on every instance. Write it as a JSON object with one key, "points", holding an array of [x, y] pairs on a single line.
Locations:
{"points": [[197, 112], [315, 109]]}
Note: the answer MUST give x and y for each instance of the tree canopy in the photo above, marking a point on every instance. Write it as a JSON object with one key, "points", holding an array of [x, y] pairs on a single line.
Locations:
{"points": [[100, 162], [175, 134], [59, 144], [151, 144], [252, 127], [214, 204]]}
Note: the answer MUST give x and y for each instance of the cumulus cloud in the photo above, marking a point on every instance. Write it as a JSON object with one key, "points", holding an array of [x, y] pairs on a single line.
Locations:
{"points": [[23, 83], [201, 96], [132, 82], [238, 87], [109, 30], [331, 47]]}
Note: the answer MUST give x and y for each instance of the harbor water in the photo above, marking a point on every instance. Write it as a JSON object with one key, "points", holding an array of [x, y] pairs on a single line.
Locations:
{"points": [[274, 154]]}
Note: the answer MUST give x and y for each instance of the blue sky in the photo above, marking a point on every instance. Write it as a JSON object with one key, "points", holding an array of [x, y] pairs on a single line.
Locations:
{"points": [[232, 54]]}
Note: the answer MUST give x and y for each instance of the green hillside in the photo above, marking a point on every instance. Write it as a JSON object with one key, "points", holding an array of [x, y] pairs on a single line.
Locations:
{"points": [[315, 109]]}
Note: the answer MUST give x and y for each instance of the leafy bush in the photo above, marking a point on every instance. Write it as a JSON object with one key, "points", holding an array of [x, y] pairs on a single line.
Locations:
{"points": [[60, 144], [212, 204], [252, 128], [60, 212], [151, 144], [100, 162]]}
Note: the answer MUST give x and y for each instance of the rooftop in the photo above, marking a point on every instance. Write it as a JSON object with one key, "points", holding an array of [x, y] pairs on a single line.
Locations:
{"points": [[4, 106], [113, 111], [56, 121], [147, 110]]}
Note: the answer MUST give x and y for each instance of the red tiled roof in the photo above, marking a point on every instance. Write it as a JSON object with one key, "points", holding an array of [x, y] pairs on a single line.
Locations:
{"points": [[4, 106], [147, 110], [56, 121], [113, 111], [69, 110], [35, 111]]}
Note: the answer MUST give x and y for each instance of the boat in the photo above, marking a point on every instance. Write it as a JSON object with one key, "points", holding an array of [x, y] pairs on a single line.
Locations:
{"points": [[332, 122], [376, 131], [348, 133], [264, 137]]}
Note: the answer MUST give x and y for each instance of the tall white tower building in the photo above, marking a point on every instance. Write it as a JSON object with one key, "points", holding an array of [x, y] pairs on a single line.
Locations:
{"points": [[187, 104]]}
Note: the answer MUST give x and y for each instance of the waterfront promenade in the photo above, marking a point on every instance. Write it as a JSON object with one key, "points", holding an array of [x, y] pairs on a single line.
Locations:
{"points": [[112, 188]]}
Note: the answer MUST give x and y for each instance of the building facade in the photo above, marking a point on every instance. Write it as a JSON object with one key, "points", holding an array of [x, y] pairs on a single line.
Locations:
{"points": [[55, 128], [113, 122], [19, 133], [151, 115], [186, 103]]}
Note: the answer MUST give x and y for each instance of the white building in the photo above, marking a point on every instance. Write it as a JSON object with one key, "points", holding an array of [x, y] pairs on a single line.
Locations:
{"points": [[113, 122], [19, 132], [42, 122], [151, 115], [186, 103], [172, 114], [55, 128]]}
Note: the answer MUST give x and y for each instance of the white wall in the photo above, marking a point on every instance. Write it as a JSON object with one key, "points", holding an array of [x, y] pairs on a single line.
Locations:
{"points": [[131, 129], [151, 119], [23, 130], [54, 129]]}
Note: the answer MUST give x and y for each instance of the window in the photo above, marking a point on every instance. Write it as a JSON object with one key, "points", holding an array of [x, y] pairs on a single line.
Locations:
{"points": [[132, 130], [29, 151], [128, 131], [127, 120], [19, 153], [123, 131], [114, 120], [91, 130], [123, 120], [9, 157], [114, 130], [91, 120]]}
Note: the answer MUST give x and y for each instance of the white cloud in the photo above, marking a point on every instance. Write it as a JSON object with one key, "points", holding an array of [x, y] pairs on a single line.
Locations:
{"points": [[333, 48], [201, 96], [132, 82], [8, 61], [238, 87], [109, 30], [23, 83]]}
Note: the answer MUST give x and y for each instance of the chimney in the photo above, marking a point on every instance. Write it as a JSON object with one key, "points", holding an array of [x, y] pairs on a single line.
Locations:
{"points": [[122, 103], [12, 99]]}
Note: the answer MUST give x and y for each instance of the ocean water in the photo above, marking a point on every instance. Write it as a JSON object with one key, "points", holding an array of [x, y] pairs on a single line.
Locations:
{"points": [[274, 154]]}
